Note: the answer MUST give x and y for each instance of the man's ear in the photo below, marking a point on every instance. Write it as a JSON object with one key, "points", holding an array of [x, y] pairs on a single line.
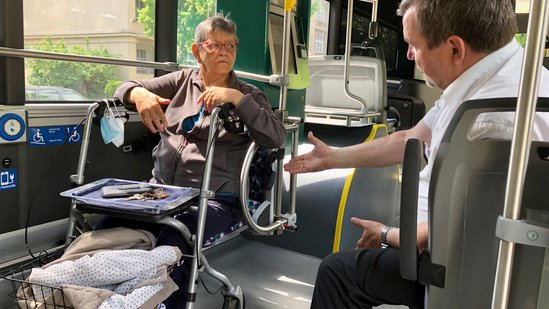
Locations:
{"points": [[196, 52], [458, 46]]}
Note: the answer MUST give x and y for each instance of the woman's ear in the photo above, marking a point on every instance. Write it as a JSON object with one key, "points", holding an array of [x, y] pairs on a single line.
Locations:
{"points": [[196, 52]]}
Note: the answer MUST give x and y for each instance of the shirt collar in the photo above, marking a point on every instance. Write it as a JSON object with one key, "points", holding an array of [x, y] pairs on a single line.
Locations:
{"points": [[478, 74]]}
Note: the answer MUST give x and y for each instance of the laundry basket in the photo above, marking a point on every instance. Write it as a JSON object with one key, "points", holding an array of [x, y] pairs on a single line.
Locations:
{"points": [[22, 289]]}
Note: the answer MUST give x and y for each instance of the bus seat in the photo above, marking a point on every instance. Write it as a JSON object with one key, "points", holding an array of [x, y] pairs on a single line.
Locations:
{"points": [[465, 199], [326, 101]]}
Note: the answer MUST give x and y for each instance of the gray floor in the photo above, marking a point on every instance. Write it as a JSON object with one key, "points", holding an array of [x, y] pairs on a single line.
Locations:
{"points": [[270, 277]]}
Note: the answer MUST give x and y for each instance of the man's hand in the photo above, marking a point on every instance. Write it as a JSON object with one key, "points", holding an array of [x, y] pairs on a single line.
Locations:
{"points": [[148, 106], [316, 160], [370, 236]]}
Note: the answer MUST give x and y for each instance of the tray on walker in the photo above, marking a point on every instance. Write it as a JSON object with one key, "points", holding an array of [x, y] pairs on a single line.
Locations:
{"points": [[92, 194]]}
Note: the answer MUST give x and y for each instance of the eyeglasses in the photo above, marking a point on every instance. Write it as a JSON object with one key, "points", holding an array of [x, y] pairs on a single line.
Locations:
{"points": [[213, 46]]}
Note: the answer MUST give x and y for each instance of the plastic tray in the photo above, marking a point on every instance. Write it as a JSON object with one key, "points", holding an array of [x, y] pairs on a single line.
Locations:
{"points": [[91, 194]]}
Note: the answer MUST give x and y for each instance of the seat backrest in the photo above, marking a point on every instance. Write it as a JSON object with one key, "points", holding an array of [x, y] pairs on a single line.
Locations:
{"points": [[466, 196], [367, 79]]}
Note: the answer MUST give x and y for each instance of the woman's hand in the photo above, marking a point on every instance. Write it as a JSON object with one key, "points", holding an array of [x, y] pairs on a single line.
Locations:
{"points": [[213, 96], [148, 106], [316, 160]]}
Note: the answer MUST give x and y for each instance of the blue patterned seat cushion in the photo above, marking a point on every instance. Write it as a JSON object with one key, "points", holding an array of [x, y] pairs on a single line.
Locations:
{"points": [[212, 241]]}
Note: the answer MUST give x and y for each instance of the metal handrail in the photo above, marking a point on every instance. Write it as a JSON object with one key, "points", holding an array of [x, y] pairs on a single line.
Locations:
{"points": [[372, 34], [244, 196], [165, 66], [347, 67], [520, 146]]}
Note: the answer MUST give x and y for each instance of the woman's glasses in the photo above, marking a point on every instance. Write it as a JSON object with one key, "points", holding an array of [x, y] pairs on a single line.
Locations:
{"points": [[213, 46]]}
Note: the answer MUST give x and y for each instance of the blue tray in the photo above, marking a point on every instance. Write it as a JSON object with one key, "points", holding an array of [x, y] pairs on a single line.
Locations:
{"points": [[91, 194]]}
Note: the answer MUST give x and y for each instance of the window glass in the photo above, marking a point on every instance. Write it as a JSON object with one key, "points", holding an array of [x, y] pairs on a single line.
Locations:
{"points": [[71, 95], [318, 28], [142, 55], [319, 44], [104, 28], [386, 41], [522, 6], [47, 95], [190, 14]]}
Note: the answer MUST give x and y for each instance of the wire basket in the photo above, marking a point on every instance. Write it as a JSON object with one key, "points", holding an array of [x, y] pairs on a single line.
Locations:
{"points": [[33, 295]]}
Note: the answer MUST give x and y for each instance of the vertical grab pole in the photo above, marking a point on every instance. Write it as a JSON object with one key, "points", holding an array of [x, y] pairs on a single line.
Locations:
{"points": [[78, 178], [288, 5], [520, 146], [348, 49]]}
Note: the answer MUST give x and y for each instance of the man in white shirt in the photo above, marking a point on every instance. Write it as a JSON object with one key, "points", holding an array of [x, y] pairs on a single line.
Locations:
{"points": [[466, 48]]}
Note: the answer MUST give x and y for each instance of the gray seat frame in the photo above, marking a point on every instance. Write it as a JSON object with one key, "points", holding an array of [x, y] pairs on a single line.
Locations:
{"points": [[466, 197]]}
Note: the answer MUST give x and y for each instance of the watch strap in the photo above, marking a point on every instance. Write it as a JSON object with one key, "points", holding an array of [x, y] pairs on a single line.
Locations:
{"points": [[383, 236]]}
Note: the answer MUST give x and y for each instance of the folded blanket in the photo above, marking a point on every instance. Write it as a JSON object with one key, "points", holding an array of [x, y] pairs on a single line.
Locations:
{"points": [[125, 278]]}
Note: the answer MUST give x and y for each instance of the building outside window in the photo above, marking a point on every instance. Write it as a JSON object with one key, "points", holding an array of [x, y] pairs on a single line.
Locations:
{"points": [[141, 55], [319, 44], [318, 28]]}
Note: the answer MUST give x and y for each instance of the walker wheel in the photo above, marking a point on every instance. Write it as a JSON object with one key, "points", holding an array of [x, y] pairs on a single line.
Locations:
{"points": [[233, 302]]}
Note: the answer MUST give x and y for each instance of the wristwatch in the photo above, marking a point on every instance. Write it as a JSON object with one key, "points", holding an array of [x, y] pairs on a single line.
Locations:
{"points": [[383, 236]]}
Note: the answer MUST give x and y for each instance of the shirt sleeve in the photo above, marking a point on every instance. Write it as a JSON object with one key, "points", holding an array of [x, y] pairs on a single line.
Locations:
{"points": [[431, 116]]}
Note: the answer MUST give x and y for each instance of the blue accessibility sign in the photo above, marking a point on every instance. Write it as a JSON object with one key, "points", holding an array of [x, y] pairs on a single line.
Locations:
{"points": [[54, 135]]}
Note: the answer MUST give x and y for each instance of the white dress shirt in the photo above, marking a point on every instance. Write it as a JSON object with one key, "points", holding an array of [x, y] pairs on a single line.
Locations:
{"points": [[496, 75]]}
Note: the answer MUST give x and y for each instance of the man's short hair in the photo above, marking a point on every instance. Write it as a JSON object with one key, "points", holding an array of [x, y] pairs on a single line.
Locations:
{"points": [[486, 25], [213, 24]]}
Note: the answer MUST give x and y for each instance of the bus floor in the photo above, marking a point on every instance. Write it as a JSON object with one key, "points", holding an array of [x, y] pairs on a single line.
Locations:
{"points": [[270, 277]]}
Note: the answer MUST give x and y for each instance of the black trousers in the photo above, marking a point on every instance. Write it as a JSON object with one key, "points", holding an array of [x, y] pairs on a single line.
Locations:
{"points": [[364, 278]]}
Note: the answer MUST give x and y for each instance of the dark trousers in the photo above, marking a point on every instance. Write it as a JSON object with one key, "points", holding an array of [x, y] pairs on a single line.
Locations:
{"points": [[364, 278], [221, 215]]}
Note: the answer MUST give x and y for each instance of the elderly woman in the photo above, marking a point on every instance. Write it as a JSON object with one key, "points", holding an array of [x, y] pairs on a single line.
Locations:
{"points": [[178, 105]]}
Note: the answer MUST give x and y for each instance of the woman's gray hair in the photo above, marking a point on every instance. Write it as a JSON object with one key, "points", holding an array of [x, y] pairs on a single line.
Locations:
{"points": [[486, 25], [213, 24]]}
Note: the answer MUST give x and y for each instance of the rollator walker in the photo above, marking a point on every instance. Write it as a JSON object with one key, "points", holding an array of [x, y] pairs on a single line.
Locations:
{"points": [[85, 199]]}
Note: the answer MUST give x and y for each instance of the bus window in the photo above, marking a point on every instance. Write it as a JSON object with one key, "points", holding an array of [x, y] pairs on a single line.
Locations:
{"points": [[318, 28], [104, 28], [386, 40], [522, 8], [190, 14]]}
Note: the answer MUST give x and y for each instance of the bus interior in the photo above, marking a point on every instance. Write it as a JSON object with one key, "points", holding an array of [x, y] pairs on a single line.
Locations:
{"points": [[336, 68]]}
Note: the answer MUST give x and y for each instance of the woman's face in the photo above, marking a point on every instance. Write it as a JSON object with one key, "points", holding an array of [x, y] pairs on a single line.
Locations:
{"points": [[217, 53]]}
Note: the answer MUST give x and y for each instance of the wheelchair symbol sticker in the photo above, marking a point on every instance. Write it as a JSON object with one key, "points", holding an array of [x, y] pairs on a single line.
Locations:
{"points": [[37, 137], [55, 135], [8, 179], [74, 133]]}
